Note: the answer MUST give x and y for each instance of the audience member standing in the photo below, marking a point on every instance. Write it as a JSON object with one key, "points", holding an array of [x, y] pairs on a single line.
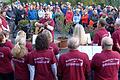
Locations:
{"points": [[106, 64], [3, 23]]}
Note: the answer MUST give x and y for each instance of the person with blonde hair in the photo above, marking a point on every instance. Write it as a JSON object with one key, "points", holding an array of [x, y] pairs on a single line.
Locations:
{"points": [[19, 57], [50, 40], [80, 33]]}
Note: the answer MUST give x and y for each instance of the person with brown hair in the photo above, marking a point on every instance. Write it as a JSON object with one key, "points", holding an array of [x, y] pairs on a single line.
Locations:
{"points": [[19, 57], [43, 59], [52, 45], [100, 33], [8, 42], [6, 69]]}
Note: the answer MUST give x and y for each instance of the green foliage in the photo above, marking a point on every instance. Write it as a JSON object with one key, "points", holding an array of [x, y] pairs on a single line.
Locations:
{"points": [[65, 27], [23, 22]]}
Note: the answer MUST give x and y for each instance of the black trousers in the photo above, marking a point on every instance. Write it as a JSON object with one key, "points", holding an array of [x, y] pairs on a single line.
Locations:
{"points": [[7, 76]]}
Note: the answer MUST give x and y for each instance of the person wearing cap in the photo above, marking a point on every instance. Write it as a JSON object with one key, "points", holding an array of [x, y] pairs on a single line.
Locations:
{"points": [[100, 33], [73, 65], [116, 36], [106, 64], [45, 23]]}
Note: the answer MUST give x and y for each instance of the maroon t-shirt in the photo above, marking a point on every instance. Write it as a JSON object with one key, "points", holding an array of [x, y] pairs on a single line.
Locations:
{"points": [[29, 46], [55, 48], [74, 65], [21, 68], [9, 44], [42, 60], [51, 23], [106, 65], [5, 60], [99, 35], [116, 40]]}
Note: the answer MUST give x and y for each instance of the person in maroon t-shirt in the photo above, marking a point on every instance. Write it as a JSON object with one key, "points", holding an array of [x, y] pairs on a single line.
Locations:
{"points": [[21, 33], [43, 59], [45, 23], [51, 43], [100, 33], [8, 42], [116, 36], [19, 58], [106, 64], [73, 65], [6, 70]]}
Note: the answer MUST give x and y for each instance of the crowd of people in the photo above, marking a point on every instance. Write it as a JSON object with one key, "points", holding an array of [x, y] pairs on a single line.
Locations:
{"points": [[23, 61]]}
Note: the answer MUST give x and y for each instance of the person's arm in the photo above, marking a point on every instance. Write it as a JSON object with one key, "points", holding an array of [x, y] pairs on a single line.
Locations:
{"points": [[54, 70], [50, 26]]}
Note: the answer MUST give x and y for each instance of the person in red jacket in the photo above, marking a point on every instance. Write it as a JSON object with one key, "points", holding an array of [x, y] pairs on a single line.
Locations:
{"points": [[20, 58], [73, 65], [107, 63], [85, 19], [3, 23], [100, 33], [43, 59], [69, 16], [6, 69]]}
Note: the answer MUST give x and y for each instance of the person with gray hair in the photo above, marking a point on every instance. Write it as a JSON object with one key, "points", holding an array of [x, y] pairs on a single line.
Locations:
{"points": [[73, 65], [106, 64], [116, 36]]}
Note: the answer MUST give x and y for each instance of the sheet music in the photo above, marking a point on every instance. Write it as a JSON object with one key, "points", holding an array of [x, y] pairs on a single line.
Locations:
{"points": [[34, 38]]}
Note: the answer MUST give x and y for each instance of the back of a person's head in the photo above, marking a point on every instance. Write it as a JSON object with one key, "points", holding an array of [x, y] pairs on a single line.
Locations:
{"points": [[41, 42], [80, 33], [117, 22], [73, 43], [20, 49], [48, 34], [21, 37], [107, 43], [102, 22]]}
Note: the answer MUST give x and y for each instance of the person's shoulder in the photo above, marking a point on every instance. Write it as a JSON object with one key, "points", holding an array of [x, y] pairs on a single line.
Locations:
{"points": [[115, 53], [97, 55]]}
